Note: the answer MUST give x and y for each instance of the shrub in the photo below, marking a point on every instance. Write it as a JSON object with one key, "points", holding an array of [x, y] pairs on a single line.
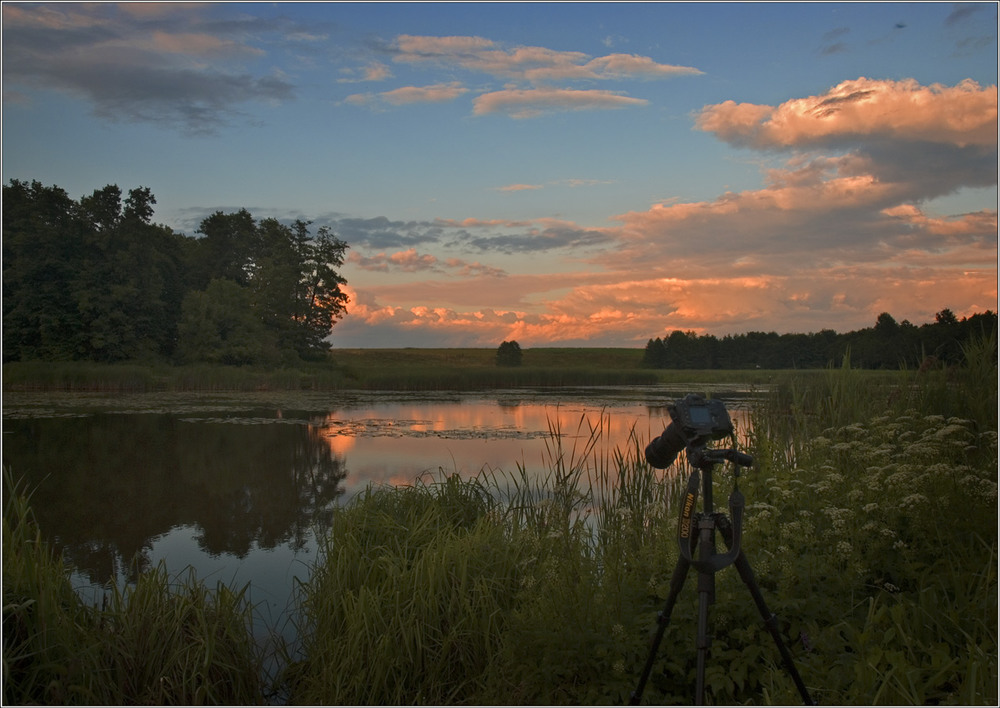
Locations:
{"points": [[509, 354]]}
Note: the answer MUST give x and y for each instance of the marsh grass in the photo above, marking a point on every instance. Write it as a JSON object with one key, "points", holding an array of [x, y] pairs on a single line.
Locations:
{"points": [[870, 526], [160, 641]]}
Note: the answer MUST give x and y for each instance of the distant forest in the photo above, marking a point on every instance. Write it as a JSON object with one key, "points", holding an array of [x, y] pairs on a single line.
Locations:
{"points": [[887, 345], [95, 280]]}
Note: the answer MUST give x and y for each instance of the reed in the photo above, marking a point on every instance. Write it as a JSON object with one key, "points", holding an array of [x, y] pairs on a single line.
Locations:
{"points": [[156, 642], [47, 634]]}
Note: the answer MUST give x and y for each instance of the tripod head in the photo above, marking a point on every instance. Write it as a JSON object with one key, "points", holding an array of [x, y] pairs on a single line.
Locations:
{"points": [[703, 460]]}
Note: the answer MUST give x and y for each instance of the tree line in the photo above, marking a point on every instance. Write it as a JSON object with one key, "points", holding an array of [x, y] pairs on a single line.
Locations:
{"points": [[95, 279], [886, 345]]}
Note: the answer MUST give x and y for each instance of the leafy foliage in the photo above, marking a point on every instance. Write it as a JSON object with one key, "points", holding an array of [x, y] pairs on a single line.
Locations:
{"points": [[95, 280]]}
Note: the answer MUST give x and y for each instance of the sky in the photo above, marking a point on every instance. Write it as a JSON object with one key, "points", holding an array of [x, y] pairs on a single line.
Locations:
{"points": [[557, 174]]}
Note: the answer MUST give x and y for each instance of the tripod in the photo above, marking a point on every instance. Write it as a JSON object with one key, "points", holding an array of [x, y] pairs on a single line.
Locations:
{"points": [[697, 532]]}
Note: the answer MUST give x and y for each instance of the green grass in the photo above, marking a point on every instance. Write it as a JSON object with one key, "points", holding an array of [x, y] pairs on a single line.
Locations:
{"points": [[160, 641], [870, 525]]}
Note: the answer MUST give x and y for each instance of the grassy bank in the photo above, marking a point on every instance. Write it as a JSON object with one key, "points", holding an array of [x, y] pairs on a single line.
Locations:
{"points": [[365, 369], [871, 526], [372, 369]]}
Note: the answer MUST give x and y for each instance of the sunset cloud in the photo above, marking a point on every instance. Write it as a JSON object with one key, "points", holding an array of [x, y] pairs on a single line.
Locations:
{"points": [[536, 76], [531, 103], [436, 93], [376, 71], [861, 110], [630, 312], [519, 187], [533, 64], [844, 233]]}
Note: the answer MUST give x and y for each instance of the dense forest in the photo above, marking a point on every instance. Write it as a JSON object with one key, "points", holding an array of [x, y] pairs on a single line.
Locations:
{"points": [[95, 280], [887, 345]]}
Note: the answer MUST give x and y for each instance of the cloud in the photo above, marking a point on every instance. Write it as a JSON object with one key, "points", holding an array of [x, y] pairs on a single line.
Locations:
{"points": [[375, 71], [627, 312], [571, 182], [837, 234], [863, 110], [519, 187], [533, 64], [530, 73], [436, 93], [483, 236], [156, 64], [531, 103], [962, 11], [925, 140], [381, 233], [550, 235]]}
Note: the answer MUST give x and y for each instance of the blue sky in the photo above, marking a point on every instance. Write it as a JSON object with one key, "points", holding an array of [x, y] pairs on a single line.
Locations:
{"points": [[556, 173]]}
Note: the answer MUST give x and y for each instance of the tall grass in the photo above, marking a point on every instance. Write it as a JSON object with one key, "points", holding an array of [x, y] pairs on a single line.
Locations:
{"points": [[156, 642], [870, 526]]}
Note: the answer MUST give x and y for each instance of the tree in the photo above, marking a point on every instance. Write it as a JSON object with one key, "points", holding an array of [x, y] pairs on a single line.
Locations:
{"points": [[42, 252], [96, 279], [218, 325], [128, 288], [293, 287], [509, 354], [655, 355]]}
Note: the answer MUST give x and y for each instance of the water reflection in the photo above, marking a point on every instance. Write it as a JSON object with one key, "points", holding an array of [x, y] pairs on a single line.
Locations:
{"points": [[106, 485], [237, 486]]}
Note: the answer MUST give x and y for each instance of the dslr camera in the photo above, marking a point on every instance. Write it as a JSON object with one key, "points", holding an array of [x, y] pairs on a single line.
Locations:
{"points": [[694, 422]]}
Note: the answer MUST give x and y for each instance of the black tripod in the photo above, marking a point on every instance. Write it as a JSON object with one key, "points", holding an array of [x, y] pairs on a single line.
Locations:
{"points": [[697, 531]]}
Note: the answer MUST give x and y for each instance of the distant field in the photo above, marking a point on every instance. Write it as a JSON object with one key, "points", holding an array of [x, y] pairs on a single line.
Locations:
{"points": [[401, 369], [573, 358]]}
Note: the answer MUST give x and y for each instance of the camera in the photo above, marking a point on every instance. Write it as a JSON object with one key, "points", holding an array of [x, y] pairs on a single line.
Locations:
{"points": [[694, 421]]}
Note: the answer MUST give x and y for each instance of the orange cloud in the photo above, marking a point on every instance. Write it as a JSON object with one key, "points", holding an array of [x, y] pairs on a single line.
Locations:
{"points": [[518, 187], [962, 115], [828, 241], [630, 312], [437, 93], [530, 103], [534, 64]]}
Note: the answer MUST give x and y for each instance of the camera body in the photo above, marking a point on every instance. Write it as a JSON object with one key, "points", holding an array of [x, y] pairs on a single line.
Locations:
{"points": [[695, 421]]}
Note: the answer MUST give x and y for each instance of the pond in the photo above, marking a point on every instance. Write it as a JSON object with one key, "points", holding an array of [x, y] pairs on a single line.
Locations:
{"points": [[237, 486]]}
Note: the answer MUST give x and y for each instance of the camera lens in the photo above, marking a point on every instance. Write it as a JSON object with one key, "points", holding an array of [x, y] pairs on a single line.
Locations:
{"points": [[662, 451]]}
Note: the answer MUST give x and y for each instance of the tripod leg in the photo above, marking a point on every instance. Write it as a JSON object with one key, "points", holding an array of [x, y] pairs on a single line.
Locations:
{"points": [[706, 597], [770, 619], [662, 619]]}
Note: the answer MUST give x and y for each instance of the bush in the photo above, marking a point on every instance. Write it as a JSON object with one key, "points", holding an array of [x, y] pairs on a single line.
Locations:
{"points": [[509, 354]]}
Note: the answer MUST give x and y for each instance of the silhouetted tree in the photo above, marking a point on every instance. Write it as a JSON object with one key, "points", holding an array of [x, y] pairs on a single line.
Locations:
{"points": [[509, 354], [95, 279], [655, 355]]}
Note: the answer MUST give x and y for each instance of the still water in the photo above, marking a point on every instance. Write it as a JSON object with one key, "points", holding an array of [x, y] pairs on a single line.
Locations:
{"points": [[237, 486]]}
